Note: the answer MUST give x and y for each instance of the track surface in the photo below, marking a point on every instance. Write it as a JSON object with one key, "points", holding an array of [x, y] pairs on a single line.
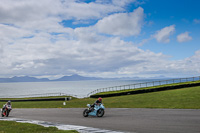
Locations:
{"points": [[121, 119]]}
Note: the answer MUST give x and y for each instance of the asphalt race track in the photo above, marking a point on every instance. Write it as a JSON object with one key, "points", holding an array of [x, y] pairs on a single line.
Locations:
{"points": [[121, 119]]}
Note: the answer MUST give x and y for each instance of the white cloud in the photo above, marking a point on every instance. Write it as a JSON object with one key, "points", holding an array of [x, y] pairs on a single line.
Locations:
{"points": [[34, 43], [89, 54], [125, 24], [184, 37], [122, 2], [186, 67], [23, 11], [163, 34], [91, 10], [33, 13]]}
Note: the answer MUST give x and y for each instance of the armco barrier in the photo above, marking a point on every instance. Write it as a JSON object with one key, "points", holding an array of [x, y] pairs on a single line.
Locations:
{"points": [[143, 85], [39, 95], [146, 90], [42, 99]]}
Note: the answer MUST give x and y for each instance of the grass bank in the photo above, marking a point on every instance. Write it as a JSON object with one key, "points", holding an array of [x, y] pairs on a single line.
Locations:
{"points": [[15, 127], [185, 98]]}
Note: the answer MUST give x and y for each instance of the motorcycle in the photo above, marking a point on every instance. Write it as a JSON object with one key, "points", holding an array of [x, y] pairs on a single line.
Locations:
{"points": [[98, 111], [6, 110]]}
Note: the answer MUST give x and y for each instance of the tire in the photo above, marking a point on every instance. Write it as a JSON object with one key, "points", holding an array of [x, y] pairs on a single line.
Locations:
{"points": [[2, 113], [85, 113], [7, 113], [100, 112]]}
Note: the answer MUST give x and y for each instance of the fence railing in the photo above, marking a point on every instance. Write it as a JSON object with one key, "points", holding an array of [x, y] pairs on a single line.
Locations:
{"points": [[144, 84], [39, 95]]}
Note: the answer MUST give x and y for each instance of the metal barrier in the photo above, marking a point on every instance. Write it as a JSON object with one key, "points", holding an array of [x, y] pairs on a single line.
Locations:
{"points": [[40, 95], [145, 84]]}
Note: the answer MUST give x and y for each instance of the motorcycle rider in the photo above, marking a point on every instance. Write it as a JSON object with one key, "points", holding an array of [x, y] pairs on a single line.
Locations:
{"points": [[97, 102], [4, 106]]}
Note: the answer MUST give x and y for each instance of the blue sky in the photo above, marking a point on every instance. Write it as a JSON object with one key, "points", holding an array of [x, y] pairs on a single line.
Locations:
{"points": [[100, 38], [183, 15]]}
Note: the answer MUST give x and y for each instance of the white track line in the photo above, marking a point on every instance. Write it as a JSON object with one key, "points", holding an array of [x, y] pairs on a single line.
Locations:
{"points": [[80, 129]]}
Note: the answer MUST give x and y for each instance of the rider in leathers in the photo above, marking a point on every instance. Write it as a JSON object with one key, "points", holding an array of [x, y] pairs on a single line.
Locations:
{"points": [[4, 106], [97, 102]]}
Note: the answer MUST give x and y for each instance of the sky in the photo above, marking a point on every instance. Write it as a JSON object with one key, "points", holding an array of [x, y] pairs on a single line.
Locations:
{"points": [[100, 38]]}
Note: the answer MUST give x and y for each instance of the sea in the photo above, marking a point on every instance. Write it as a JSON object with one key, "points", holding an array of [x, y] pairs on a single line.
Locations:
{"points": [[78, 89]]}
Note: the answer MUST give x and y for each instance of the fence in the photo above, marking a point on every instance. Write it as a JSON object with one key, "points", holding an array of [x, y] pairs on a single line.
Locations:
{"points": [[145, 84], [39, 95]]}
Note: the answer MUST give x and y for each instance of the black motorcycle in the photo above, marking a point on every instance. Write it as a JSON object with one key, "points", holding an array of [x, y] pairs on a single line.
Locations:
{"points": [[6, 111]]}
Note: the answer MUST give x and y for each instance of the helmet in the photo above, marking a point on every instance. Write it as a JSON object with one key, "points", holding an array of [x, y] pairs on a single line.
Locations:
{"points": [[9, 102], [100, 99]]}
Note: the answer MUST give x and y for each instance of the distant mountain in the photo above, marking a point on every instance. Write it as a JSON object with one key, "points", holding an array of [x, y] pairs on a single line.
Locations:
{"points": [[23, 79], [65, 78], [32, 79], [76, 77]]}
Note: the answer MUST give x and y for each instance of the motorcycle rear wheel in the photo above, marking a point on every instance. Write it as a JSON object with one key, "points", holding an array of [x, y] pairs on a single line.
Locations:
{"points": [[85, 113]]}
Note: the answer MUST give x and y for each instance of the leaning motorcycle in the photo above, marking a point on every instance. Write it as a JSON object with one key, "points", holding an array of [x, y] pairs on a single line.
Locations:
{"points": [[98, 110], [6, 111]]}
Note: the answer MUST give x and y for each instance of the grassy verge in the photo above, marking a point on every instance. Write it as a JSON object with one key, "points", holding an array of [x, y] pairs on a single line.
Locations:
{"points": [[36, 98], [74, 103], [15, 127], [186, 98]]}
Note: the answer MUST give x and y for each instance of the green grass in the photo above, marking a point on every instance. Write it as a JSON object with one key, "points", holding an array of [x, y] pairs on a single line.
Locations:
{"points": [[15, 127], [36, 98], [185, 98], [74, 103]]}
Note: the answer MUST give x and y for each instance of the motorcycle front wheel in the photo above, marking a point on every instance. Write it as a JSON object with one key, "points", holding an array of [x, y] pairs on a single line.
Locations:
{"points": [[7, 113], [85, 113], [100, 112], [2, 112]]}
